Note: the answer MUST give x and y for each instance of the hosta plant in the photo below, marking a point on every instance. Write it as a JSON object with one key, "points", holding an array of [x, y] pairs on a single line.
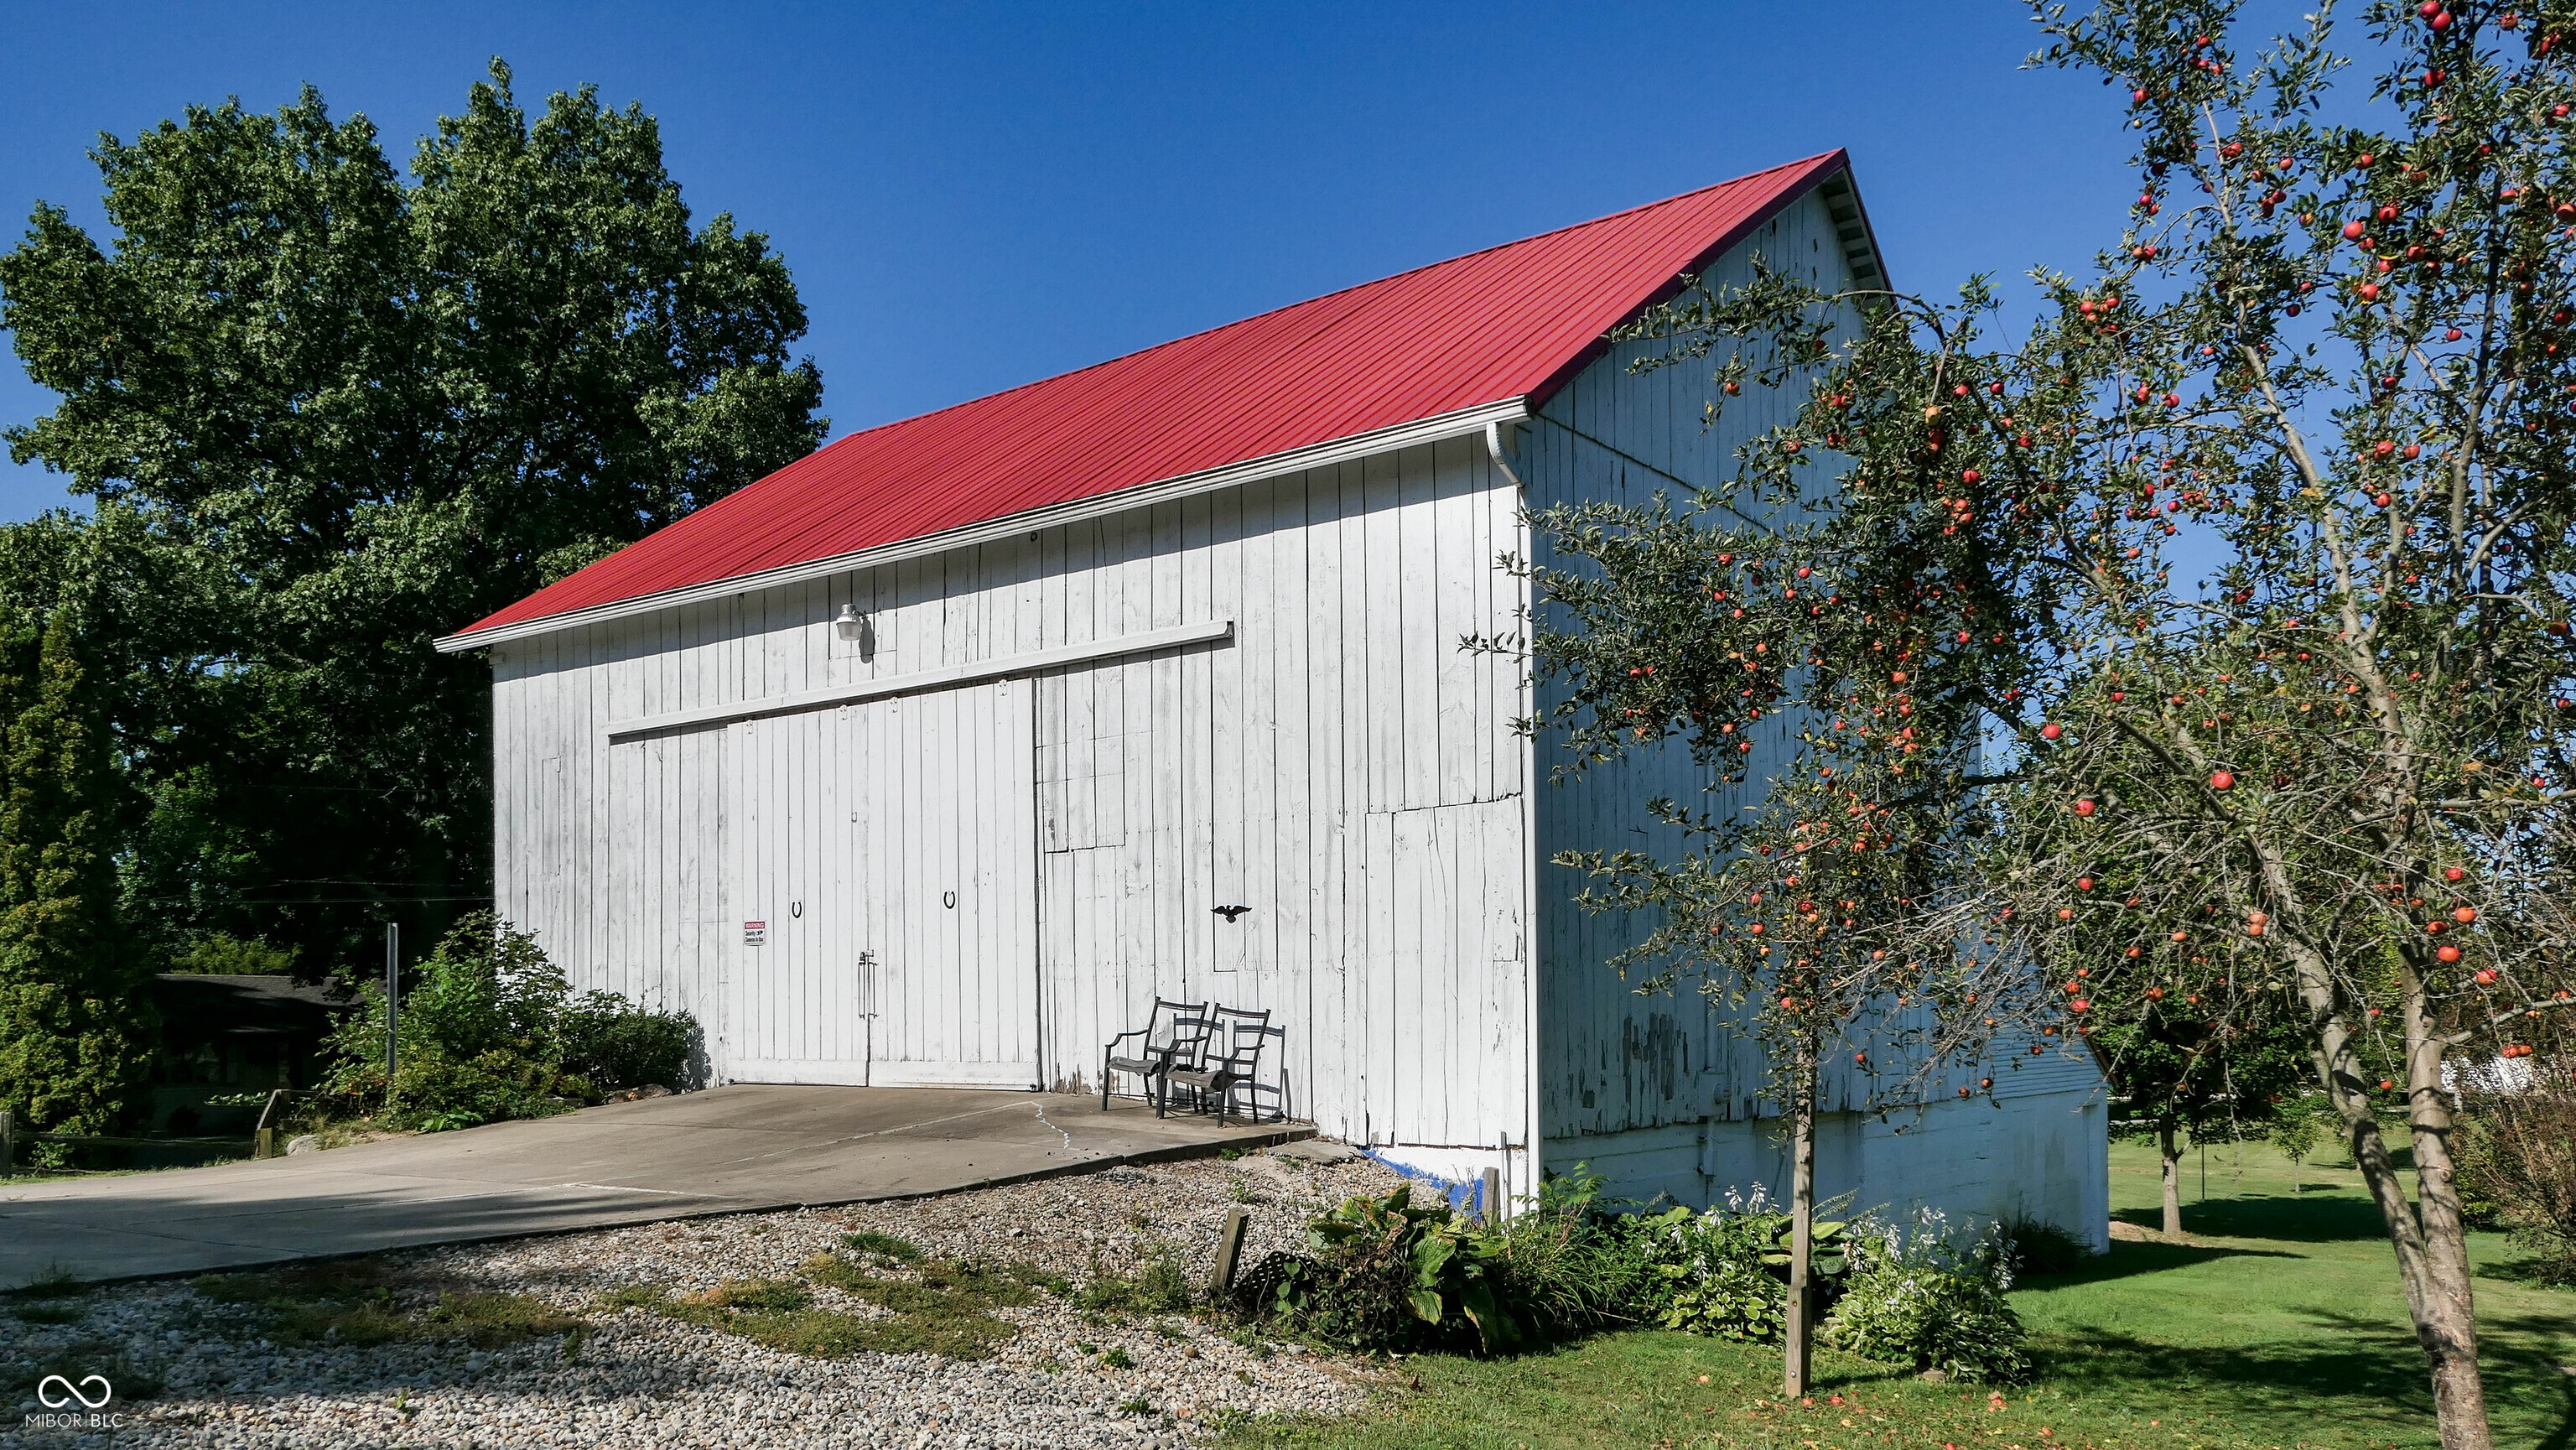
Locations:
{"points": [[1383, 1274], [1924, 1295]]}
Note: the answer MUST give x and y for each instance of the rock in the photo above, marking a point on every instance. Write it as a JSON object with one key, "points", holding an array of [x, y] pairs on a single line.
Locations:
{"points": [[307, 1143], [1934, 1377], [1269, 1168], [1316, 1150], [639, 1379]]}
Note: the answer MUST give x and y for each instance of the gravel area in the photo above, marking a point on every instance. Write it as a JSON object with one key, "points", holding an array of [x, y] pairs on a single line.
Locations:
{"points": [[638, 1378]]}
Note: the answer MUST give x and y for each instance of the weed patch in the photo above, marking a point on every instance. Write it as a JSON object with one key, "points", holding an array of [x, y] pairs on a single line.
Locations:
{"points": [[134, 1380], [1161, 1286], [760, 1311], [945, 1308], [356, 1301], [903, 1251], [942, 1309], [50, 1312], [490, 1321], [51, 1282]]}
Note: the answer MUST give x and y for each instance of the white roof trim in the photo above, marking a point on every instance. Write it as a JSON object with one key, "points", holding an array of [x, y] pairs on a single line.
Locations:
{"points": [[1294, 460]]}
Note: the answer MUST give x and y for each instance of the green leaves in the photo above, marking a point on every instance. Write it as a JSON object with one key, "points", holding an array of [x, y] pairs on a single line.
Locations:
{"points": [[1383, 1273], [75, 1016], [491, 1030], [329, 416]]}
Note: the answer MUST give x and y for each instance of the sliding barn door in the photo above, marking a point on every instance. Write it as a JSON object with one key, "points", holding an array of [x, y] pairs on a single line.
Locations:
{"points": [[950, 833], [884, 872], [798, 989]]}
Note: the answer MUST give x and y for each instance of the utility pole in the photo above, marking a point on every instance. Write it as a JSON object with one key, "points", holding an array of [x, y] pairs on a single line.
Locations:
{"points": [[393, 995]]}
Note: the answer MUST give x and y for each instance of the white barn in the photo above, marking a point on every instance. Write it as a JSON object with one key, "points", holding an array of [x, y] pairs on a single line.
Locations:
{"points": [[937, 755]]}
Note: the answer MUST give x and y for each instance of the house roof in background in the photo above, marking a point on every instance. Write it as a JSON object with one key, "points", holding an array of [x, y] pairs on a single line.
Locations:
{"points": [[1443, 346]]}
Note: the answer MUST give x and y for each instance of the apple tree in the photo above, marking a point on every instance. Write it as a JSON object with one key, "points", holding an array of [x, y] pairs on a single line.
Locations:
{"points": [[2252, 557], [2304, 699], [1835, 656]]}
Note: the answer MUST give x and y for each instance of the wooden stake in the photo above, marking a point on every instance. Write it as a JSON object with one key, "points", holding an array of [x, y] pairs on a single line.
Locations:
{"points": [[1493, 1195], [1229, 1249]]}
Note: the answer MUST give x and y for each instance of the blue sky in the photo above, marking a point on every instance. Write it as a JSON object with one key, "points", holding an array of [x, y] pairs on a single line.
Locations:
{"points": [[974, 196]]}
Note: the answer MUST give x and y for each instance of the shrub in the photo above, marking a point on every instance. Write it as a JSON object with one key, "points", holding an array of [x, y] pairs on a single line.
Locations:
{"points": [[1916, 1297], [1381, 1274], [2516, 1150], [492, 1031], [1725, 1272], [616, 1044], [1568, 1263], [222, 953]]}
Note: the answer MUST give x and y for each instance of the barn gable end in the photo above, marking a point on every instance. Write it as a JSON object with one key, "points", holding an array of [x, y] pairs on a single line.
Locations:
{"points": [[1654, 1092]]}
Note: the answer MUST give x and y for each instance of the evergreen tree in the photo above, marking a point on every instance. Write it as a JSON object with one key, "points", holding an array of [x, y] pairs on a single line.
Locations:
{"points": [[75, 1023]]}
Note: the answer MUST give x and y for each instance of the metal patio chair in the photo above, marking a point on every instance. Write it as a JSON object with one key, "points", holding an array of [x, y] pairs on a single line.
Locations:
{"points": [[1174, 1034], [1230, 1060]]}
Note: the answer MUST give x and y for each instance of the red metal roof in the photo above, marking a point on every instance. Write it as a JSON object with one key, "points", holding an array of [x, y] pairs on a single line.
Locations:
{"points": [[1513, 321]]}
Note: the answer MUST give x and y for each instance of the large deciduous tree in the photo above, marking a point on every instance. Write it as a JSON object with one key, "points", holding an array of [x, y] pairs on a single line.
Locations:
{"points": [[339, 414], [2274, 513], [2331, 769]]}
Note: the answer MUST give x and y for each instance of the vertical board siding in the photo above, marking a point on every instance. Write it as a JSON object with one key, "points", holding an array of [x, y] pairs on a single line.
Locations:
{"points": [[1611, 1061], [1656, 1091], [1342, 768]]}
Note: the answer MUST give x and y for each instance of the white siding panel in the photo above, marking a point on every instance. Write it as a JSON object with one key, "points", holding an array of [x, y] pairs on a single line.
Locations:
{"points": [[1341, 767], [1658, 1093]]}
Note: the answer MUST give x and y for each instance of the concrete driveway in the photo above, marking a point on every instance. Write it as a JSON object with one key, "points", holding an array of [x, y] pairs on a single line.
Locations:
{"points": [[726, 1150]]}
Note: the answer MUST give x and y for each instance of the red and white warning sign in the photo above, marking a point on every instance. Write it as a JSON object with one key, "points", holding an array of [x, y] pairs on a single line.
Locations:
{"points": [[755, 933]]}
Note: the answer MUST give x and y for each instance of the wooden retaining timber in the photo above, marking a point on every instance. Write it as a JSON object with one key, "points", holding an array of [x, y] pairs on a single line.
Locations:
{"points": [[262, 1141]]}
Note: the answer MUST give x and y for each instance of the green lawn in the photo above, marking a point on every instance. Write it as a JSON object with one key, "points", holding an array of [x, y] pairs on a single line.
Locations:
{"points": [[2280, 1325]]}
